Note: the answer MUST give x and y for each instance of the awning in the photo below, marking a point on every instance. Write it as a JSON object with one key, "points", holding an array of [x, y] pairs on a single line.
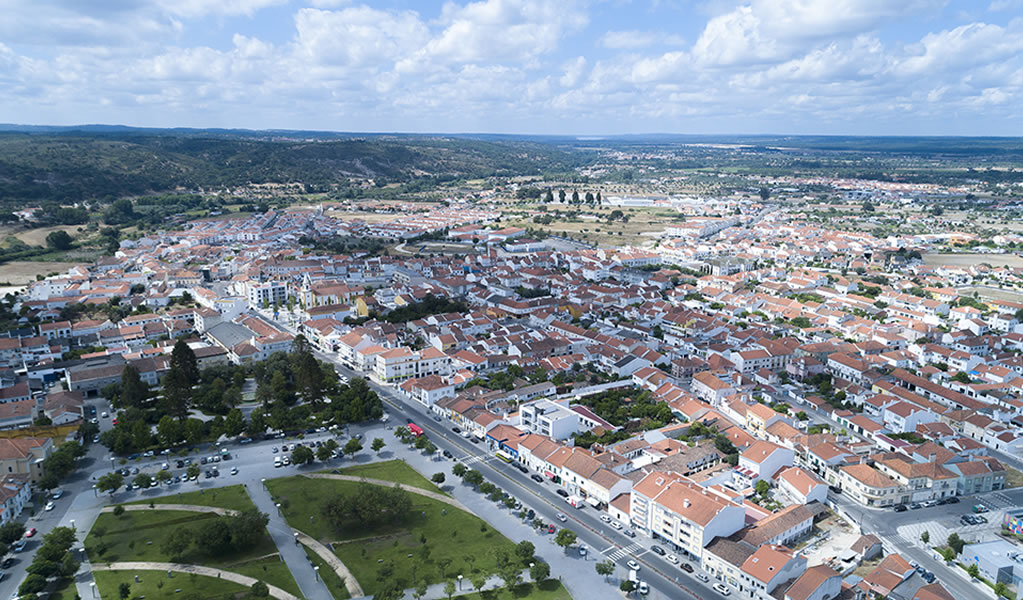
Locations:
{"points": [[549, 474], [592, 501]]}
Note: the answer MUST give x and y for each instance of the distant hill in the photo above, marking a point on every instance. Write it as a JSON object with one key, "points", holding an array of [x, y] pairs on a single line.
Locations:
{"points": [[93, 162]]}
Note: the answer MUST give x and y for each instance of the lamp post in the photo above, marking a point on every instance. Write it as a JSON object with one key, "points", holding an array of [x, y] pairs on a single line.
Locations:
{"points": [[93, 585], [278, 505], [316, 570], [459, 584]]}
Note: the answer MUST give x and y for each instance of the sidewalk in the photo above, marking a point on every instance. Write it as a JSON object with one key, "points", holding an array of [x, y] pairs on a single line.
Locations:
{"points": [[294, 555]]}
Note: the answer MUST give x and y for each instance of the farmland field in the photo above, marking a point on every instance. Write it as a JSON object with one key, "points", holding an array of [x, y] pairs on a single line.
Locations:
{"points": [[966, 260]]}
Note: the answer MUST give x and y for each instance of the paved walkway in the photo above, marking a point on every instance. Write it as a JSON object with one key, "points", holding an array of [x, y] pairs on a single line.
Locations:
{"points": [[275, 591], [294, 556], [224, 512], [354, 589], [408, 488]]}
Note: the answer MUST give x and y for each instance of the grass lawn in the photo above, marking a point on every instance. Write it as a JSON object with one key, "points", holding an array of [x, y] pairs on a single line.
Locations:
{"points": [[155, 584], [335, 584], [139, 536], [547, 590], [269, 570], [393, 470], [455, 540], [233, 497]]}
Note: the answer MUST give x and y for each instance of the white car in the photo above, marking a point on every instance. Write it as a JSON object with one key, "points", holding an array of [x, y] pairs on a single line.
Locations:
{"points": [[582, 550], [672, 559], [644, 588], [616, 525], [635, 566], [561, 517], [49, 506], [605, 518], [702, 577], [722, 589]]}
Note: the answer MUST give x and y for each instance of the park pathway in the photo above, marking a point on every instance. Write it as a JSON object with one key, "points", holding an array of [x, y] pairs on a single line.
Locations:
{"points": [[354, 589], [246, 581], [224, 512], [407, 488], [286, 538]]}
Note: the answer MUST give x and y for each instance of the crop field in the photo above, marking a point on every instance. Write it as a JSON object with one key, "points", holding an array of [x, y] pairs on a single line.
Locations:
{"points": [[19, 272], [966, 260]]}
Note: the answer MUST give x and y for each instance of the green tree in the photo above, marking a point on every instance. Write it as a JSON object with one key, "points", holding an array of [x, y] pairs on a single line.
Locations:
{"points": [[540, 571], [925, 537], [169, 431], [59, 240], [1001, 590], [478, 580], [214, 537], [961, 377], [438, 478], [973, 570], [627, 586], [11, 532], [124, 590], [110, 482], [762, 488], [459, 470], [324, 453], [143, 480], [352, 447], [302, 455], [192, 471], [525, 550], [134, 391], [449, 586], [247, 527], [177, 542], [948, 554], [259, 590], [378, 445], [955, 543], [765, 193], [565, 538], [234, 423], [605, 568], [473, 478]]}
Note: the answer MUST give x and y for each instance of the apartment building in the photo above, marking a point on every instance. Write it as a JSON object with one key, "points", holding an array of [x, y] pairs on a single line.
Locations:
{"points": [[687, 516], [399, 364]]}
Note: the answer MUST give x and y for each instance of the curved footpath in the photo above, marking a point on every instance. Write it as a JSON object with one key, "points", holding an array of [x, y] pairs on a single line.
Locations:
{"points": [[246, 581], [354, 589], [224, 512], [407, 488]]}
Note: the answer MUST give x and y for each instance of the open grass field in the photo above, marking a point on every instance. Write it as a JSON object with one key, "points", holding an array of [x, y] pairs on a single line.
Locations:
{"points": [[434, 541], [233, 497], [155, 584], [140, 536], [335, 585], [392, 470], [37, 237], [20, 272], [967, 260]]}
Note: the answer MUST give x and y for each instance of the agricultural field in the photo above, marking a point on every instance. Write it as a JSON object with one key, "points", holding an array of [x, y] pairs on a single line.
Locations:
{"points": [[967, 260], [20, 272]]}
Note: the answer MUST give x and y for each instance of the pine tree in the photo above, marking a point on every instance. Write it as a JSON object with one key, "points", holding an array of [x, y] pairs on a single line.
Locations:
{"points": [[575, 196]]}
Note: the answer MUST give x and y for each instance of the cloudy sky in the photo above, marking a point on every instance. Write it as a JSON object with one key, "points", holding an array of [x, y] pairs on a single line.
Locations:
{"points": [[519, 66]]}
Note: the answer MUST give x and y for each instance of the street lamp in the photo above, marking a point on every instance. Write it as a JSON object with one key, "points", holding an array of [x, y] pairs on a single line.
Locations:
{"points": [[316, 570], [278, 505], [459, 584]]}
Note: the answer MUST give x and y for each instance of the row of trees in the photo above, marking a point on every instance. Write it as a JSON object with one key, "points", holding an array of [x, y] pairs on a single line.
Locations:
{"points": [[216, 537], [367, 507], [52, 559]]}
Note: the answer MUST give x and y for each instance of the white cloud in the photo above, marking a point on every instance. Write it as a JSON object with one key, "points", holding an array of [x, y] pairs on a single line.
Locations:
{"points": [[961, 47], [357, 36], [633, 39], [772, 30], [573, 72], [199, 8]]}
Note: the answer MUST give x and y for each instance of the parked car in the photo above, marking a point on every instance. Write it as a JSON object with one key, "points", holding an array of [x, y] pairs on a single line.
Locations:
{"points": [[551, 529], [915, 505], [605, 518], [633, 565], [31, 531], [644, 589], [49, 506], [899, 508], [658, 550], [702, 577], [562, 493], [722, 589], [952, 500], [447, 454], [536, 478], [672, 559], [561, 517], [629, 533], [688, 568], [617, 525]]}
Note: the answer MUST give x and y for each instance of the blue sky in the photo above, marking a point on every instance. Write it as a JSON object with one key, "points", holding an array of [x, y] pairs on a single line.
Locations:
{"points": [[873, 67]]}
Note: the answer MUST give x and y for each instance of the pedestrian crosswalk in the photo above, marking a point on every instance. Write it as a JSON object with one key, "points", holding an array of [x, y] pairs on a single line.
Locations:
{"points": [[475, 458], [616, 554]]}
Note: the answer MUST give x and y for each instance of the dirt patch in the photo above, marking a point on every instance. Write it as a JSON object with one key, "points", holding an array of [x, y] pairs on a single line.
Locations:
{"points": [[24, 271]]}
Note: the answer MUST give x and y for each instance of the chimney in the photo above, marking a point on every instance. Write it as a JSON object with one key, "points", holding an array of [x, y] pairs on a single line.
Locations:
{"points": [[685, 503], [932, 456]]}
